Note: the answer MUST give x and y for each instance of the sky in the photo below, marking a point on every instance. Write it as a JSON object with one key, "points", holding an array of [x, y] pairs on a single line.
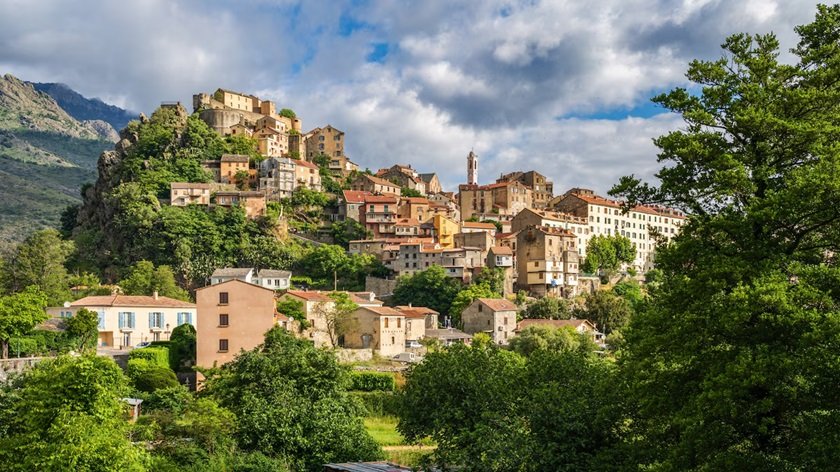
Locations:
{"points": [[561, 87]]}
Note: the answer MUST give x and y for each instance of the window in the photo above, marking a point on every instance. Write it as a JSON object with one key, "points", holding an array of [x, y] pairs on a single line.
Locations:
{"points": [[126, 320], [321, 147], [184, 318], [101, 319], [223, 298], [393, 341], [223, 345], [224, 320], [386, 322], [155, 320], [480, 307], [399, 322]]}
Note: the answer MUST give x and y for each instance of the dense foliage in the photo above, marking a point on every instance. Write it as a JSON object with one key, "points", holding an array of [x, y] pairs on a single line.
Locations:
{"points": [[291, 402], [431, 288], [732, 362], [605, 254], [372, 381]]}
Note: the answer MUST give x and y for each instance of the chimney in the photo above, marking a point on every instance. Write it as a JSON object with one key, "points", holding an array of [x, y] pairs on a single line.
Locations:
{"points": [[155, 294], [409, 304]]}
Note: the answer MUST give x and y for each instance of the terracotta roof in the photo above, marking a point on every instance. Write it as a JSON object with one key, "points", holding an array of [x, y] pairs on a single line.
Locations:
{"points": [[552, 323], [188, 185], [477, 225], [506, 235], [132, 300], [416, 311], [498, 304], [355, 196], [502, 250], [313, 296], [234, 158], [383, 310], [407, 222], [308, 164], [416, 200], [381, 199], [596, 200]]}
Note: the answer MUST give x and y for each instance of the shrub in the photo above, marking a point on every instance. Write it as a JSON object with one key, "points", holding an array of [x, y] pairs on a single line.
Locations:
{"points": [[372, 381], [156, 355], [378, 403], [23, 347], [148, 377]]}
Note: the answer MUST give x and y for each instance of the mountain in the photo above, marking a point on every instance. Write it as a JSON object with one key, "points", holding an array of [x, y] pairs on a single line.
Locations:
{"points": [[46, 155], [84, 109]]}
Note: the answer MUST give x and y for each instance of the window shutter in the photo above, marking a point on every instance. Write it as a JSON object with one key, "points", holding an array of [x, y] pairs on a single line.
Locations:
{"points": [[101, 319], [152, 320], [131, 320], [180, 318], [162, 320], [122, 319]]}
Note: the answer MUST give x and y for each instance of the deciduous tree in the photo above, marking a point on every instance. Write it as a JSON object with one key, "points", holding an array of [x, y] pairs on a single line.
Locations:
{"points": [[19, 313]]}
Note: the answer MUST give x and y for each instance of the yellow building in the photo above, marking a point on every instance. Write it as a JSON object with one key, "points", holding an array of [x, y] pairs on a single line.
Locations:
{"points": [[445, 230]]}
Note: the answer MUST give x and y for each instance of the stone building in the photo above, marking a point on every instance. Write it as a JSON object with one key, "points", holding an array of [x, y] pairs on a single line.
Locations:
{"points": [[230, 165], [277, 177], [374, 185], [494, 200], [253, 202], [307, 175], [379, 328], [404, 177], [493, 316], [552, 219], [542, 189], [547, 261], [328, 141]]}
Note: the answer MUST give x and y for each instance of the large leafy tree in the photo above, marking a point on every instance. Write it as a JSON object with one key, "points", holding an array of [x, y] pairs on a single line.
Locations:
{"points": [[465, 297], [19, 313], [39, 260], [551, 308], [733, 360], [67, 413], [145, 279], [83, 327], [431, 288], [291, 402], [605, 254]]}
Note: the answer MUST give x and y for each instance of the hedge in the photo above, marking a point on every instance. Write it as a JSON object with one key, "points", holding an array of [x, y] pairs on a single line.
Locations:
{"points": [[148, 377], [24, 347], [378, 403], [156, 355], [372, 381]]}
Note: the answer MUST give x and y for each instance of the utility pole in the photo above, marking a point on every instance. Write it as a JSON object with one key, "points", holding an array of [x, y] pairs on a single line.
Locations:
{"points": [[335, 281]]}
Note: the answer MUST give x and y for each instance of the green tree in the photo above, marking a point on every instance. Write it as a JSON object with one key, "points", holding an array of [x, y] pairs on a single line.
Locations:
{"points": [[20, 313], [288, 113], [550, 308], [39, 260], [608, 311], [409, 192], [337, 316], [241, 178], [348, 230], [431, 288], [84, 327], [67, 413], [605, 254], [145, 279], [494, 278], [731, 359], [293, 309], [182, 348], [291, 402], [535, 338]]}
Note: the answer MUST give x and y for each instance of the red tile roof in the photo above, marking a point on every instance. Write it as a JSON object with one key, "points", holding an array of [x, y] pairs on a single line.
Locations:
{"points": [[131, 300], [499, 304], [416, 200], [383, 310], [477, 225], [355, 196], [381, 199], [502, 250], [313, 296], [596, 200], [308, 164]]}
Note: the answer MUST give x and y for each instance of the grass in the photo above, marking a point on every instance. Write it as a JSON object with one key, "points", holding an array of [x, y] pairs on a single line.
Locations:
{"points": [[384, 430]]}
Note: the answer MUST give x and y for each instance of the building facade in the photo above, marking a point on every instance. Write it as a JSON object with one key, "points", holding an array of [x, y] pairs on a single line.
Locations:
{"points": [[547, 261], [495, 317], [185, 193]]}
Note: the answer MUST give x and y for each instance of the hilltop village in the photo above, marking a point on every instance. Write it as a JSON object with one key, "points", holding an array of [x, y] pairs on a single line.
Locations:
{"points": [[535, 242]]}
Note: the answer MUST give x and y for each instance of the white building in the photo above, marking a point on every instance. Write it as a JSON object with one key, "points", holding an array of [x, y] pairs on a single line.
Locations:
{"points": [[268, 278], [128, 320]]}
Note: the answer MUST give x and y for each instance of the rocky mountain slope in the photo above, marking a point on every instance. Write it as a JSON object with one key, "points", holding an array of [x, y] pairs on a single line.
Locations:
{"points": [[46, 156], [82, 108]]}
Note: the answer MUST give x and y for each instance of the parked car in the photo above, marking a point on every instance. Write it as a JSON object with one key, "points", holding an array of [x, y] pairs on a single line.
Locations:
{"points": [[413, 344], [143, 344], [409, 357]]}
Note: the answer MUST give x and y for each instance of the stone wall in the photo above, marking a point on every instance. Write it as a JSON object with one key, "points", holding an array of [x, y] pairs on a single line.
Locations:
{"points": [[381, 287], [17, 365]]}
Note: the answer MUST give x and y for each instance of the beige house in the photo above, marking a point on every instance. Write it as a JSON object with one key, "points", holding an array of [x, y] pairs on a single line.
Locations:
{"points": [[233, 316], [128, 320], [307, 175], [496, 317], [552, 219], [503, 199], [374, 185], [547, 261], [315, 303], [253, 202], [342, 166], [380, 328], [541, 188], [185, 193], [580, 326], [417, 320], [230, 165]]}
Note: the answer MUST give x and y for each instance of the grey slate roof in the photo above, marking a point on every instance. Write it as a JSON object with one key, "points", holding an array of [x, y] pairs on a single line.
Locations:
{"points": [[276, 274], [231, 272]]}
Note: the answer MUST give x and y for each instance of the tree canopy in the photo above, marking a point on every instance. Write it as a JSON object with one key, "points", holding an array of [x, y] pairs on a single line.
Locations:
{"points": [[731, 359], [19, 313], [605, 254], [431, 288]]}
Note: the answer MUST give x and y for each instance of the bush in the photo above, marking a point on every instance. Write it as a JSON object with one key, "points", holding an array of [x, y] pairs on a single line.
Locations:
{"points": [[23, 347], [372, 381], [156, 355], [149, 377], [378, 403]]}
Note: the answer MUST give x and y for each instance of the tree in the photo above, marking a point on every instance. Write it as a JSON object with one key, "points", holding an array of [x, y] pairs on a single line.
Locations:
{"points": [[241, 178], [19, 313], [293, 309], [605, 254], [608, 311], [39, 260], [534, 338], [550, 308], [67, 413], [348, 230], [494, 278], [409, 192], [144, 279], [431, 288], [182, 347], [288, 113], [84, 327], [337, 316], [465, 297], [291, 402], [731, 358]]}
